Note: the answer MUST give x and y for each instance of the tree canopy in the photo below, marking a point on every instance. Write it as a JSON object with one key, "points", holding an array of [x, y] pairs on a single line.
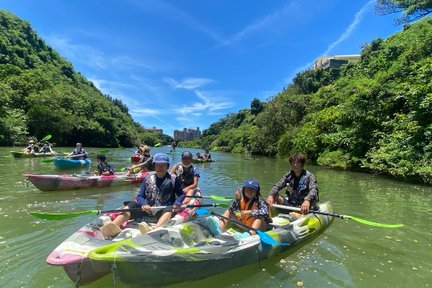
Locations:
{"points": [[42, 94], [412, 10]]}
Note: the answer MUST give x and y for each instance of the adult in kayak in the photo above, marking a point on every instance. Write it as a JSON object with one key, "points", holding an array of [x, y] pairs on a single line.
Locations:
{"points": [[79, 153], [145, 164], [188, 175], [103, 168], [207, 155], [31, 147], [301, 186], [249, 208], [46, 148], [157, 189]]}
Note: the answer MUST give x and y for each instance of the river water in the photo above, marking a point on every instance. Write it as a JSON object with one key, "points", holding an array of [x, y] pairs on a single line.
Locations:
{"points": [[347, 254]]}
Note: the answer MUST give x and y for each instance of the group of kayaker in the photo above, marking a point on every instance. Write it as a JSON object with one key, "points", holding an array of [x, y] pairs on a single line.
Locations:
{"points": [[206, 156], [172, 189], [41, 147]]}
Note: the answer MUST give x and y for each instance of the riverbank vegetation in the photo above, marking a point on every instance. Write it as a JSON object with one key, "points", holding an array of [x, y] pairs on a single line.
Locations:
{"points": [[42, 94], [373, 114]]}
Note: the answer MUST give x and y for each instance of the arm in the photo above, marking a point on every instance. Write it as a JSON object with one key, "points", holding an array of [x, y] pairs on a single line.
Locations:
{"points": [[141, 197], [262, 212], [276, 188], [312, 195], [178, 191], [173, 169]]}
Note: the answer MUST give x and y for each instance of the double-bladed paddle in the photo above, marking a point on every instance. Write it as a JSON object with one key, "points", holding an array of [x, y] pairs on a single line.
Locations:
{"points": [[67, 215], [359, 220], [264, 237], [46, 138], [213, 197]]}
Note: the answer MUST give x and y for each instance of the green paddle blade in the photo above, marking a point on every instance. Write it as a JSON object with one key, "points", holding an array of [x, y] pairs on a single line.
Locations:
{"points": [[60, 215], [223, 205], [49, 160], [158, 144], [104, 151], [371, 223], [46, 138], [219, 198]]}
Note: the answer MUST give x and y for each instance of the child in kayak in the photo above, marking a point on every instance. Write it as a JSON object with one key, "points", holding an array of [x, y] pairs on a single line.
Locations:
{"points": [[188, 175], [103, 168], [248, 207]]}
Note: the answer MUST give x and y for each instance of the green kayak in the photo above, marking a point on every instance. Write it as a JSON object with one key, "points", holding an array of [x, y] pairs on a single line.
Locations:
{"points": [[17, 154], [188, 251]]}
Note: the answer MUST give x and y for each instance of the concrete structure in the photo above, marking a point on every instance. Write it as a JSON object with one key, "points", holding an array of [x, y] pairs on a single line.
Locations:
{"points": [[326, 62], [187, 134], [154, 129]]}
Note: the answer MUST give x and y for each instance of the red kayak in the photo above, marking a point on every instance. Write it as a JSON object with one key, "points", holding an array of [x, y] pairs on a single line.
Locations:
{"points": [[68, 181]]}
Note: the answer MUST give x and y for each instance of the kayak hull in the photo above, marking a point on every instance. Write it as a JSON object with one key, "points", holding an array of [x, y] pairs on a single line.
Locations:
{"points": [[188, 251], [72, 254], [71, 181], [65, 163], [17, 154], [202, 160]]}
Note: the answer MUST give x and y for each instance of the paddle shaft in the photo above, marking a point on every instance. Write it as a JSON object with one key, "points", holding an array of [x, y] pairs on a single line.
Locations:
{"points": [[234, 221], [154, 208], [297, 209], [211, 197]]}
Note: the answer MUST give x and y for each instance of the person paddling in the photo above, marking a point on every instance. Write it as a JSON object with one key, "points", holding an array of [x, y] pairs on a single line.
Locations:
{"points": [[103, 168], [79, 153], [31, 147], [249, 208], [301, 186], [188, 175], [157, 189], [46, 148], [145, 164]]}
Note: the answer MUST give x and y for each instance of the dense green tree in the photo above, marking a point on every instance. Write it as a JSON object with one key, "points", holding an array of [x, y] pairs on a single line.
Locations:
{"points": [[256, 106], [374, 114], [42, 94], [412, 10]]}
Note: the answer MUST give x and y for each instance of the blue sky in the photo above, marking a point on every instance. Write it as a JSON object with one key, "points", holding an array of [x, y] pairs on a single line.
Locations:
{"points": [[183, 64]]}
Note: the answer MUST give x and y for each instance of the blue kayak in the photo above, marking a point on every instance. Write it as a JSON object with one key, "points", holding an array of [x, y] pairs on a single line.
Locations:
{"points": [[64, 163]]}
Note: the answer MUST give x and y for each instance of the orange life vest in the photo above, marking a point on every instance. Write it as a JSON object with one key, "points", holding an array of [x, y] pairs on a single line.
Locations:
{"points": [[247, 219]]}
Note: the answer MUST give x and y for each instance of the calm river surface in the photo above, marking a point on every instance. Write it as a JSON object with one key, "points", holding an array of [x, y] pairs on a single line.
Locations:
{"points": [[347, 254]]}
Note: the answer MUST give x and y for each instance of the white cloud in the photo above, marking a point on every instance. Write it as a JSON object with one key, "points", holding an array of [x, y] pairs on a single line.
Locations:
{"points": [[96, 59], [140, 112], [208, 104], [347, 33], [344, 36], [272, 22], [189, 83]]}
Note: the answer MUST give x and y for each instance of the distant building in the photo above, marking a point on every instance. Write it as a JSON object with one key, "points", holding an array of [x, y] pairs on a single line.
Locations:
{"points": [[187, 134], [154, 130], [326, 62]]}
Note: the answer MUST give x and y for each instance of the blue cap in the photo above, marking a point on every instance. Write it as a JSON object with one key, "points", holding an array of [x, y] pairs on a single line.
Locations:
{"points": [[160, 158], [251, 183]]}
